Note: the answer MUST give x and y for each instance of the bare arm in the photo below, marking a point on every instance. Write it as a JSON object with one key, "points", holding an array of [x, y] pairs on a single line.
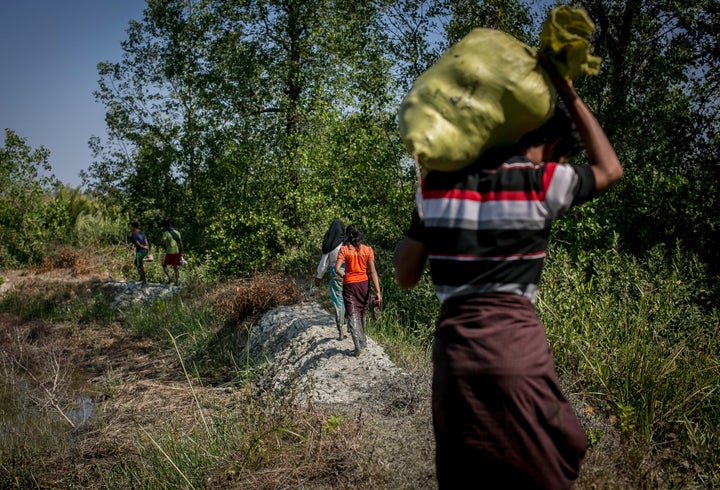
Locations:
{"points": [[338, 267], [602, 158], [409, 259]]}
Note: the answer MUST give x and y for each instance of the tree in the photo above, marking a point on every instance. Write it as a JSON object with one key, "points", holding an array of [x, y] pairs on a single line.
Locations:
{"points": [[660, 74], [28, 217], [224, 114], [240, 118], [511, 16]]}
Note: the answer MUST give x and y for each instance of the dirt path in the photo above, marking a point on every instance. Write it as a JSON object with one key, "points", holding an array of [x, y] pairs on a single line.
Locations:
{"points": [[301, 346]]}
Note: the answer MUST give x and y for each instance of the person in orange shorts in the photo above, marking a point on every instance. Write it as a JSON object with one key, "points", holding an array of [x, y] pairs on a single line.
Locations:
{"points": [[173, 245]]}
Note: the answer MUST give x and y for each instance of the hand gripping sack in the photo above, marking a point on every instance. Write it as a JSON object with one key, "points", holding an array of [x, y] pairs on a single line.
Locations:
{"points": [[488, 90]]}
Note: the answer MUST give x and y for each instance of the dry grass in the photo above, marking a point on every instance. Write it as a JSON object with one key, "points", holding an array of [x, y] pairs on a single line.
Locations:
{"points": [[238, 300], [322, 447], [305, 447], [22, 341], [82, 262], [67, 258], [32, 350], [143, 395]]}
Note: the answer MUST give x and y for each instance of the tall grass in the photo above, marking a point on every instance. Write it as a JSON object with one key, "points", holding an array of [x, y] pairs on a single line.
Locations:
{"points": [[255, 443], [179, 315], [407, 322], [644, 348], [638, 339], [229, 438]]}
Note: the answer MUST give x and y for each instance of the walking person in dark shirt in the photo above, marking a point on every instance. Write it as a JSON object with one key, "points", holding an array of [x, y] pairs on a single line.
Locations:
{"points": [[139, 241]]}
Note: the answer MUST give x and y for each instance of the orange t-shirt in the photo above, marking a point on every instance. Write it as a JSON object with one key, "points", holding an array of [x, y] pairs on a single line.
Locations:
{"points": [[355, 262]]}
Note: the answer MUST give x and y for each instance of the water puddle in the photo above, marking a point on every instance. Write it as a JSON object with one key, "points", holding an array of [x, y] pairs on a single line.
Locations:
{"points": [[31, 416]]}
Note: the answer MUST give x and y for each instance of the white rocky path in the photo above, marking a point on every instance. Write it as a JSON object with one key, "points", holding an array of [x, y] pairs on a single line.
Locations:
{"points": [[302, 351]]}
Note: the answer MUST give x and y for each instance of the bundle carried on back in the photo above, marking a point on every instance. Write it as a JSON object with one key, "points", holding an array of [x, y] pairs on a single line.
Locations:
{"points": [[489, 89]]}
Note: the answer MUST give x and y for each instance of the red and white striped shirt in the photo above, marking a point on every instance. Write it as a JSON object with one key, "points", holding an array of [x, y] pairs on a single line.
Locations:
{"points": [[487, 228]]}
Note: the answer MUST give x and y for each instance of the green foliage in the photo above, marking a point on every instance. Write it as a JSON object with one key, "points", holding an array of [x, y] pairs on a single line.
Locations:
{"points": [[189, 322], [97, 228], [245, 243], [636, 333], [408, 316], [511, 16], [249, 191], [35, 211], [58, 302], [412, 38], [332, 423], [86, 221], [29, 220], [252, 125], [652, 97]]}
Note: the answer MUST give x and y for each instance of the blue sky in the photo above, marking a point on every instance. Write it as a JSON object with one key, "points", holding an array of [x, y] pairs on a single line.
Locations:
{"points": [[50, 49]]}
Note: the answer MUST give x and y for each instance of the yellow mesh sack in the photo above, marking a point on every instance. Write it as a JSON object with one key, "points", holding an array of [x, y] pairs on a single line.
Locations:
{"points": [[488, 90]]}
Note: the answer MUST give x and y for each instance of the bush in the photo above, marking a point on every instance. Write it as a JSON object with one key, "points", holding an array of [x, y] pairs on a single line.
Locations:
{"points": [[636, 336]]}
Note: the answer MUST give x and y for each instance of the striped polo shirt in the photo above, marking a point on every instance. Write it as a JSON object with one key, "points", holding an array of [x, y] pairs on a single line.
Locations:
{"points": [[486, 228]]}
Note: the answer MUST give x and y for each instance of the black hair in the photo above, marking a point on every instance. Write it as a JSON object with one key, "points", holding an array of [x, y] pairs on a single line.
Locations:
{"points": [[561, 128], [354, 236], [165, 223], [134, 224]]}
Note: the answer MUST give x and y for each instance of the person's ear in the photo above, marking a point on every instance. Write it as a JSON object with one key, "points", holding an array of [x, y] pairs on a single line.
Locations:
{"points": [[535, 154]]}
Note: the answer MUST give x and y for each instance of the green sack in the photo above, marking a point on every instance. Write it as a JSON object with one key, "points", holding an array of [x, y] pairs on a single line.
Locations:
{"points": [[488, 90]]}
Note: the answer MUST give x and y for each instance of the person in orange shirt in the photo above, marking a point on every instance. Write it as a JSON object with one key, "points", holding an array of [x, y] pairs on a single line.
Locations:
{"points": [[357, 259]]}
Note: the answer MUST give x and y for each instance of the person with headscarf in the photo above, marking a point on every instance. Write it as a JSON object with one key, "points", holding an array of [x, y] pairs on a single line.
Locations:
{"points": [[332, 241], [355, 262]]}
